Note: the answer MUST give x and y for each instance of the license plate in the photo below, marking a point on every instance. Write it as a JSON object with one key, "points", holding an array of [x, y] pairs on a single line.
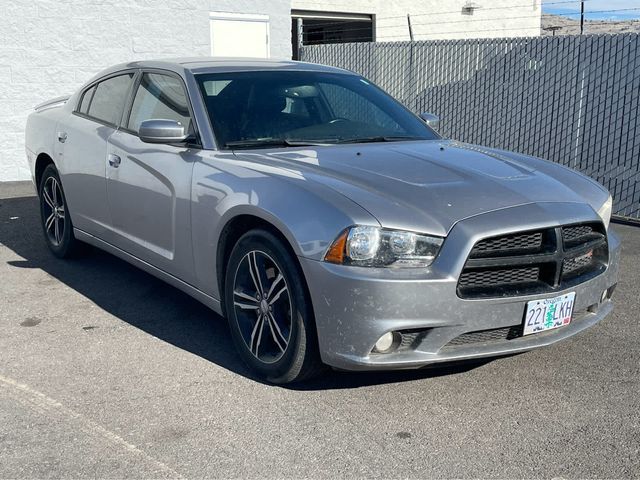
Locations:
{"points": [[548, 313]]}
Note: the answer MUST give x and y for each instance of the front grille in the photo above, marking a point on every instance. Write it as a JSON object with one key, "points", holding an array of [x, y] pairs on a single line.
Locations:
{"points": [[576, 232], [506, 333], [532, 262], [478, 278], [508, 244], [571, 265], [410, 339], [575, 235], [482, 336]]}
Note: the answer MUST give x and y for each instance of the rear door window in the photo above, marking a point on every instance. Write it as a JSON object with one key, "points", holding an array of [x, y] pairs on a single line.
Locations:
{"points": [[109, 99]]}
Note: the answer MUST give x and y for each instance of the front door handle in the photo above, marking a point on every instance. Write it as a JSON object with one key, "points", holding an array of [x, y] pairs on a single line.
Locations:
{"points": [[114, 160], [62, 137]]}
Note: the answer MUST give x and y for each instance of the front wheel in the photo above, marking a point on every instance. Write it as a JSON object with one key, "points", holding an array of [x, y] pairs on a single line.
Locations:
{"points": [[54, 213], [269, 313]]}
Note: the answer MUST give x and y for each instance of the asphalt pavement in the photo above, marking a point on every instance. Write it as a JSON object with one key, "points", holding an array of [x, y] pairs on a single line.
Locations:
{"points": [[108, 372]]}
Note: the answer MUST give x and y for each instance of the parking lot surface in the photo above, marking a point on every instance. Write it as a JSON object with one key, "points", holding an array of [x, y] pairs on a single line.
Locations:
{"points": [[107, 372]]}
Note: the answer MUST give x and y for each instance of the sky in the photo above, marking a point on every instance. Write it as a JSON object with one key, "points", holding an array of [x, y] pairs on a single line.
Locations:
{"points": [[597, 6]]}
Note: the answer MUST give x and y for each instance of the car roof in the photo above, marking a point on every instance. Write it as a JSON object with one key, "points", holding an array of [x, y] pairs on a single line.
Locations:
{"points": [[222, 64]]}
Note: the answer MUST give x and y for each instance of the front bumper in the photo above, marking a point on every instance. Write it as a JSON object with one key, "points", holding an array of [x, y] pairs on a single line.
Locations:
{"points": [[354, 306]]}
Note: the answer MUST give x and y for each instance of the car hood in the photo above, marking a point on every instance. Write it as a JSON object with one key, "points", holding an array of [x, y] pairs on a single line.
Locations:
{"points": [[429, 186]]}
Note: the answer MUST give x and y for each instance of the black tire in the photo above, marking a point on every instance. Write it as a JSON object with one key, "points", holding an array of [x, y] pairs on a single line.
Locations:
{"points": [[54, 215], [288, 350]]}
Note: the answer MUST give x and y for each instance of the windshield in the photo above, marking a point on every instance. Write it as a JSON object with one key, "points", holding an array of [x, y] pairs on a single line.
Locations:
{"points": [[286, 108]]}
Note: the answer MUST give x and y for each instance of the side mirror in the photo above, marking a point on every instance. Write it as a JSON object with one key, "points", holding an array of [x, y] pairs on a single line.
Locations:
{"points": [[162, 131], [430, 119]]}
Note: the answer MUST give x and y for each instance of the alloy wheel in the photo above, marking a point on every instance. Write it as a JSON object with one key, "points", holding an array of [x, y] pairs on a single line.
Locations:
{"points": [[54, 211], [262, 306]]}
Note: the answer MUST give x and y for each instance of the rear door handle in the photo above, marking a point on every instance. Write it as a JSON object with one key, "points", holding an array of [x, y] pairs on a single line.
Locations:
{"points": [[114, 160], [62, 137]]}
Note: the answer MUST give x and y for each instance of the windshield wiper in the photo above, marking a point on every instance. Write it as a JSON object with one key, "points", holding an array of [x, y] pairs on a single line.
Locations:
{"points": [[271, 142], [285, 142], [380, 138]]}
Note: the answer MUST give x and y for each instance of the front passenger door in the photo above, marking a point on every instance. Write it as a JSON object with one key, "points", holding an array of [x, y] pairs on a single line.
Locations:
{"points": [[149, 185]]}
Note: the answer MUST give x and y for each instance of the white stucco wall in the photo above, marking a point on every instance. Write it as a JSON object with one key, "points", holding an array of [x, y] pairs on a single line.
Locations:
{"points": [[49, 48], [438, 19]]}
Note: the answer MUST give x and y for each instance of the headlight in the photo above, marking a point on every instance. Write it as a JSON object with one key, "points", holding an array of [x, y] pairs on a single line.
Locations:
{"points": [[604, 212], [377, 247]]}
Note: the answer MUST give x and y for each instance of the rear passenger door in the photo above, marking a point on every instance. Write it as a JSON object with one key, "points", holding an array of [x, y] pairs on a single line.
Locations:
{"points": [[83, 141], [149, 185]]}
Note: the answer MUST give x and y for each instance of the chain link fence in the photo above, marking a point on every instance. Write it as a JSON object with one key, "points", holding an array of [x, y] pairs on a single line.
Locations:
{"points": [[573, 100]]}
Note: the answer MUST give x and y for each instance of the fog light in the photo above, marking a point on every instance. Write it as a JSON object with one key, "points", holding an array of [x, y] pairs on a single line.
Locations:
{"points": [[604, 295], [386, 343]]}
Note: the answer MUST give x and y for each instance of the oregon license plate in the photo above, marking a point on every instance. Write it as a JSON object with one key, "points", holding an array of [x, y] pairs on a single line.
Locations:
{"points": [[548, 313]]}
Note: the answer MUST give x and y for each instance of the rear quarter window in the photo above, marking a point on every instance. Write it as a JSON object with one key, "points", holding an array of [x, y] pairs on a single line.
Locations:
{"points": [[86, 100]]}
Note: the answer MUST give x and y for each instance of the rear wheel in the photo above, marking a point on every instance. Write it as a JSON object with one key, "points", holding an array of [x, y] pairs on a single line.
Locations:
{"points": [[269, 314], [56, 223]]}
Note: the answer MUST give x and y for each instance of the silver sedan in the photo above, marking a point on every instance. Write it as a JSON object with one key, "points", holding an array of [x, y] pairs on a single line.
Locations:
{"points": [[324, 220]]}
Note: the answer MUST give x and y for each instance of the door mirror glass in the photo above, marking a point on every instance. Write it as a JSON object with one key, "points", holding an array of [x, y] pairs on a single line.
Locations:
{"points": [[162, 131], [432, 120]]}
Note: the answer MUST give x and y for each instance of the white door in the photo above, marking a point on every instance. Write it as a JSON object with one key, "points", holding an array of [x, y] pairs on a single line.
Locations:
{"points": [[239, 35]]}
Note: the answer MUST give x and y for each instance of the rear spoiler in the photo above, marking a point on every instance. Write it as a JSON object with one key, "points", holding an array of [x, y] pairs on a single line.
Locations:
{"points": [[54, 102]]}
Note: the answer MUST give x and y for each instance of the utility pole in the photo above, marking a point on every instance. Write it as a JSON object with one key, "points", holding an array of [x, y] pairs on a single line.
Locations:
{"points": [[410, 27], [553, 29], [582, 17]]}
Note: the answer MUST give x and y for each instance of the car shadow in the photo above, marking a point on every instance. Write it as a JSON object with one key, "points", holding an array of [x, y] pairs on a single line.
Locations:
{"points": [[157, 308]]}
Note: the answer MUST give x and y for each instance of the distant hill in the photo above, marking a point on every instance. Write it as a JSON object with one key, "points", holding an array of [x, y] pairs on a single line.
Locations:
{"points": [[572, 27]]}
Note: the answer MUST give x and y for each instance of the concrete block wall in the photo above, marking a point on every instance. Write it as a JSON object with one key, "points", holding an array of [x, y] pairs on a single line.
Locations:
{"points": [[49, 48], [437, 19]]}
